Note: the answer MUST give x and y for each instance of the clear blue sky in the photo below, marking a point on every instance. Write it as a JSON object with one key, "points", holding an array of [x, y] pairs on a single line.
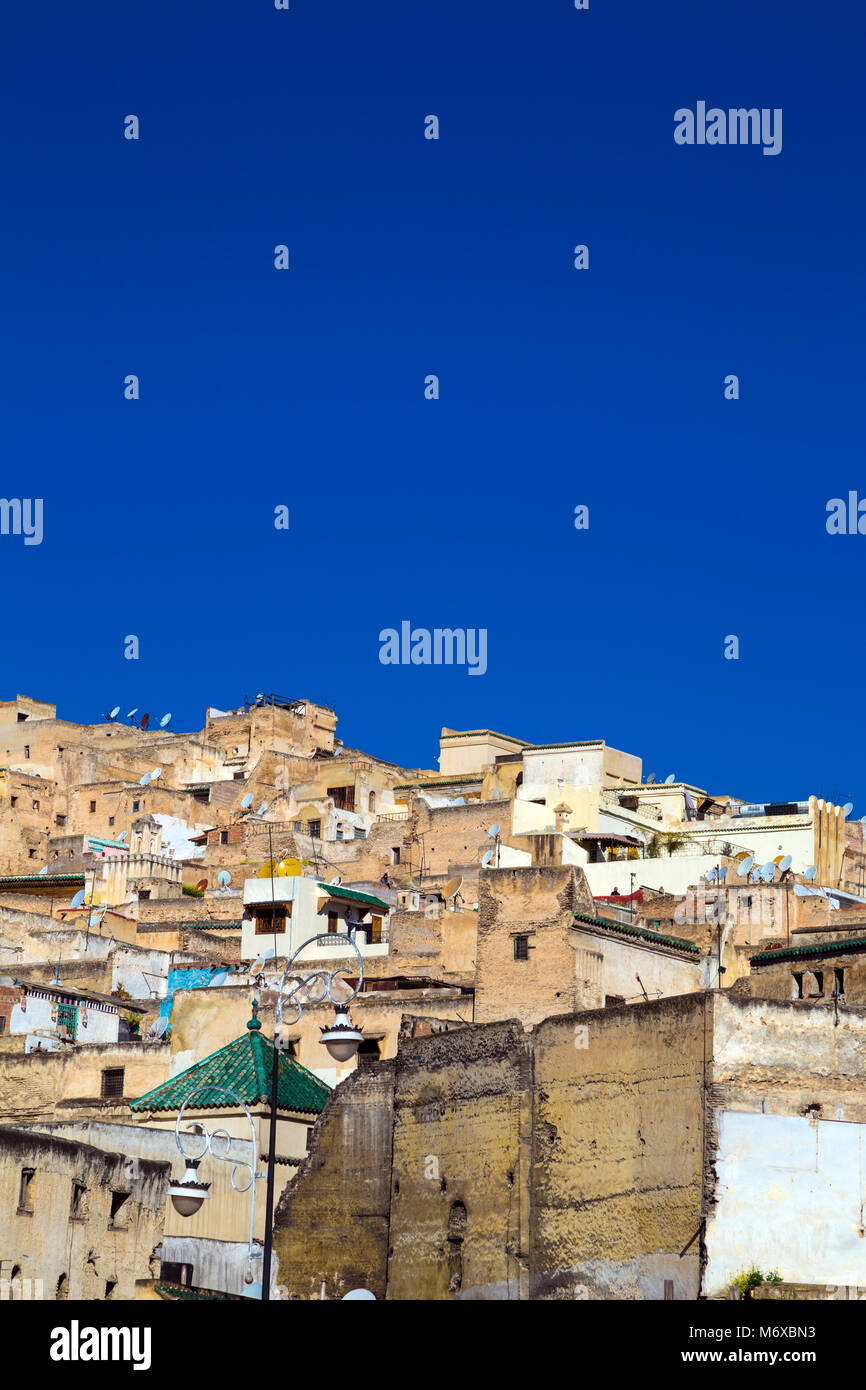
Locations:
{"points": [[558, 387]]}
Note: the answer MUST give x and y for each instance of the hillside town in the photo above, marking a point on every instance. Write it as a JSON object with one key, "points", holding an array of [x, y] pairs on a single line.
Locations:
{"points": [[549, 1026]]}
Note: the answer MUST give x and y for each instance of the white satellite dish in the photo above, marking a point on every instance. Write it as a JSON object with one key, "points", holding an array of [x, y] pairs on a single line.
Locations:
{"points": [[115, 712], [723, 872], [671, 777], [335, 881], [145, 780], [224, 878], [711, 875], [847, 809], [802, 891], [358, 1294], [157, 772], [132, 712], [220, 977], [785, 864], [494, 830], [42, 871], [79, 898], [121, 837], [486, 858], [262, 809], [768, 872], [247, 801], [164, 720], [810, 872]]}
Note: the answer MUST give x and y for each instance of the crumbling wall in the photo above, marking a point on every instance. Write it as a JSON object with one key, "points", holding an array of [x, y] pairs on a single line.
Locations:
{"points": [[331, 1223]]}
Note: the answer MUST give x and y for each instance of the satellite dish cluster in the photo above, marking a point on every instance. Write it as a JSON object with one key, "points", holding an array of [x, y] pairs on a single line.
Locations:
{"points": [[145, 718]]}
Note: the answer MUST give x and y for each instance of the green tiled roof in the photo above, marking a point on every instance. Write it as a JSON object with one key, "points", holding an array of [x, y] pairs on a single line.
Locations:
{"points": [[827, 948], [246, 1066], [642, 932], [353, 895], [44, 879]]}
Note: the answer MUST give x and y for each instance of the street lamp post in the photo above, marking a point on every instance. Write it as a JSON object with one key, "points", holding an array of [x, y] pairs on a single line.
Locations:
{"points": [[189, 1193], [342, 1040]]}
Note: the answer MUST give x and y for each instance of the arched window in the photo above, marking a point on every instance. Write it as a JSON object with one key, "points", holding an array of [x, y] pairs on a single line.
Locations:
{"points": [[372, 801]]}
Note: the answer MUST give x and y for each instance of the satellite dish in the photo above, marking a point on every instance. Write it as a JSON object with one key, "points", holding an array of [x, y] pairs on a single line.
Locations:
{"points": [[145, 780], [115, 712], [132, 712], [755, 876], [160, 1028], [486, 858], [768, 872], [121, 837], [145, 720], [723, 872], [335, 881], [79, 898], [42, 871], [671, 777], [247, 801], [224, 878], [219, 978], [802, 891], [785, 864], [494, 830], [164, 721], [452, 887], [202, 884], [358, 1294], [711, 875], [847, 809], [157, 772], [95, 918], [262, 809], [810, 872], [651, 779]]}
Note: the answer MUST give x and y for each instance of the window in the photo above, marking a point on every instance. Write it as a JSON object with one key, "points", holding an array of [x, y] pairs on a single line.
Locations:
{"points": [[27, 750], [819, 981], [36, 805], [293, 1048], [62, 1288], [360, 833], [13, 801], [796, 985], [271, 921], [338, 833], [174, 1273], [297, 826], [342, 797], [117, 1201], [22, 718], [371, 1048], [395, 854], [372, 802], [333, 922], [143, 894], [59, 820], [110, 1286], [111, 820], [314, 829], [2, 1023], [92, 807], [612, 1001], [521, 948], [112, 1082], [839, 981], [78, 1207], [31, 854], [224, 837], [136, 805], [375, 931], [25, 1190]]}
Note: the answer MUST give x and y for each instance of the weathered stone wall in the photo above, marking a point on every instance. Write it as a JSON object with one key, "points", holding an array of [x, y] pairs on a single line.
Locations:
{"points": [[51, 1085], [460, 1165], [82, 1253], [331, 1224], [538, 902]]}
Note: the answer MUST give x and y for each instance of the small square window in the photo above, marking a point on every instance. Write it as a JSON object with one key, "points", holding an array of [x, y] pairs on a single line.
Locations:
{"points": [[314, 829], [136, 805], [13, 801], [224, 837], [117, 1202], [521, 948], [112, 1082], [92, 806], [59, 819], [333, 922]]}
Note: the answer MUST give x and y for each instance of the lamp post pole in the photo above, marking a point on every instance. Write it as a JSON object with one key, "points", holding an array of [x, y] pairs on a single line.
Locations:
{"points": [[342, 1040]]}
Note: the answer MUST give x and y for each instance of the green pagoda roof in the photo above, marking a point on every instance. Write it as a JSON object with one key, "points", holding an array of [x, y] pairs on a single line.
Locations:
{"points": [[246, 1067]]}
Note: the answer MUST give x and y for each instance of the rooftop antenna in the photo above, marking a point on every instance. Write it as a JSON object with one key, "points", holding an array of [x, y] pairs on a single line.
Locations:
{"points": [[224, 878], [847, 809], [711, 875], [247, 801], [452, 889], [335, 881], [262, 809], [723, 873], [145, 780], [165, 721], [651, 779], [767, 871], [671, 777], [201, 885], [157, 772], [810, 872], [132, 712], [79, 898], [112, 714], [785, 864], [121, 837], [486, 858], [145, 720]]}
